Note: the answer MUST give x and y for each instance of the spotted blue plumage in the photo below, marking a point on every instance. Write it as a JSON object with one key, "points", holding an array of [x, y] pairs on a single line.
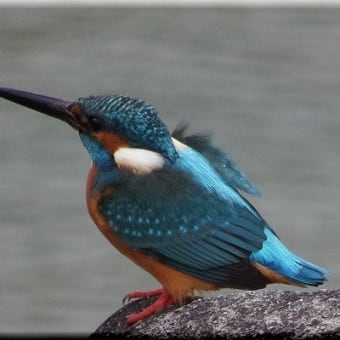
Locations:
{"points": [[188, 215], [194, 227], [132, 118]]}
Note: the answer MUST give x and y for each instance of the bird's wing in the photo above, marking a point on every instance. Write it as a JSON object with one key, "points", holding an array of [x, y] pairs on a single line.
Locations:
{"points": [[185, 216], [222, 162]]}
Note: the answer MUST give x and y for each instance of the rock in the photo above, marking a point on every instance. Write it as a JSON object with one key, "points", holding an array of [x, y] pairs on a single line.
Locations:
{"points": [[260, 314]]}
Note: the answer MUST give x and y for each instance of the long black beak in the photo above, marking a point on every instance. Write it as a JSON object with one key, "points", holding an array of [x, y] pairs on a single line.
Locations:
{"points": [[54, 107]]}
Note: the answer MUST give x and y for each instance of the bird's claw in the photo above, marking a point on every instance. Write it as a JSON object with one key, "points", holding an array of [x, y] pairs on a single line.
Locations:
{"points": [[139, 295], [126, 299]]}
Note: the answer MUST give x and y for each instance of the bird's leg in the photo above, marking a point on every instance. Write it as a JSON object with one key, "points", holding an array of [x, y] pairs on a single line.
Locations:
{"points": [[164, 300]]}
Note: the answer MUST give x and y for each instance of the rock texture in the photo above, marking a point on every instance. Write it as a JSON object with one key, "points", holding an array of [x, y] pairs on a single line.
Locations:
{"points": [[260, 314]]}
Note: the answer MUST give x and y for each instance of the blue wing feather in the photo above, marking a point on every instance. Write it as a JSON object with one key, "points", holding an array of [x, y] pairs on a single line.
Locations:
{"points": [[222, 162], [277, 257], [187, 217]]}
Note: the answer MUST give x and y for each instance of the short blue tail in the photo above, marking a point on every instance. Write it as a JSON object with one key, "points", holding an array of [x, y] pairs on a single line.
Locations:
{"points": [[275, 256]]}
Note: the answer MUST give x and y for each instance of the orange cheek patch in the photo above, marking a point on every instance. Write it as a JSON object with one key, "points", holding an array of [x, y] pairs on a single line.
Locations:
{"points": [[77, 112], [75, 109], [80, 116], [110, 141]]}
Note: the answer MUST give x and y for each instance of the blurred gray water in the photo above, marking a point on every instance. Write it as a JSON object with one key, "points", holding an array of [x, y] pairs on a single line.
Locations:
{"points": [[265, 82]]}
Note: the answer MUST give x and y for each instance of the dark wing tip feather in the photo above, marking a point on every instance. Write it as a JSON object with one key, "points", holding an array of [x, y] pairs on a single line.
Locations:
{"points": [[197, 141]]}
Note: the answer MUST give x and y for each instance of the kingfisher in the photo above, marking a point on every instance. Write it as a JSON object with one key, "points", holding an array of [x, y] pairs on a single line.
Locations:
{"points": [[172, 203]]}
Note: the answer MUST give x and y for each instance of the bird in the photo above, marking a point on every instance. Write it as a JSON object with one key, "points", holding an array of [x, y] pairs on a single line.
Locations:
{"points": [[172, 202]]}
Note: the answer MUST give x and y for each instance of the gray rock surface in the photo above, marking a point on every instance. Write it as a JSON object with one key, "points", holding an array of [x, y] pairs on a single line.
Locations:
{"points": [[260, 314]]}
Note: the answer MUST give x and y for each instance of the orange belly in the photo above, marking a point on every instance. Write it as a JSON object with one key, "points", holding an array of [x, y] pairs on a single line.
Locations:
{"points": [[178, 284]]}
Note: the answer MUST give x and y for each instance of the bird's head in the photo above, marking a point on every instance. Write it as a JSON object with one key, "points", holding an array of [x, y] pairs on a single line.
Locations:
{"points": [[105, 123]]}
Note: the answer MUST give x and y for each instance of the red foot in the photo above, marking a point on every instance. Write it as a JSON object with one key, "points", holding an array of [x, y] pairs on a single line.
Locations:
{"points": [[139, 295], [164, 300]]}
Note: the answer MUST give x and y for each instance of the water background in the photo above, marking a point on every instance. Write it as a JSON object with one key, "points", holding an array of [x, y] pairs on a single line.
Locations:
{"points": [[264, 82]]}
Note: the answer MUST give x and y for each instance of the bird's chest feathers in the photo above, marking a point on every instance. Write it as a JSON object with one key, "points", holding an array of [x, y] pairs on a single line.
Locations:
{"points": [[93, 203], [93, 198], [104, 182]]}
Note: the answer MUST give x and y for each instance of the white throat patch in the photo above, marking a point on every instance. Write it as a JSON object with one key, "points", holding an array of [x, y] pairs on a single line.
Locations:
{"points": [[138, 161]]}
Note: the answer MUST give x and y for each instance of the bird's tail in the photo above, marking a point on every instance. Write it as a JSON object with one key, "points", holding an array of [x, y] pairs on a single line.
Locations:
{"points": [[280, 265]]}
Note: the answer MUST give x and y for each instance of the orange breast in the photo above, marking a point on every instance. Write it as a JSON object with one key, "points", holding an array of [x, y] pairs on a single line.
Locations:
{"points": [[178, 284]]}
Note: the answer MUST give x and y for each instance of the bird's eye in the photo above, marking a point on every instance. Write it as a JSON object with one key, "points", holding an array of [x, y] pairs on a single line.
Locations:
{"points": [[94, 123]]}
